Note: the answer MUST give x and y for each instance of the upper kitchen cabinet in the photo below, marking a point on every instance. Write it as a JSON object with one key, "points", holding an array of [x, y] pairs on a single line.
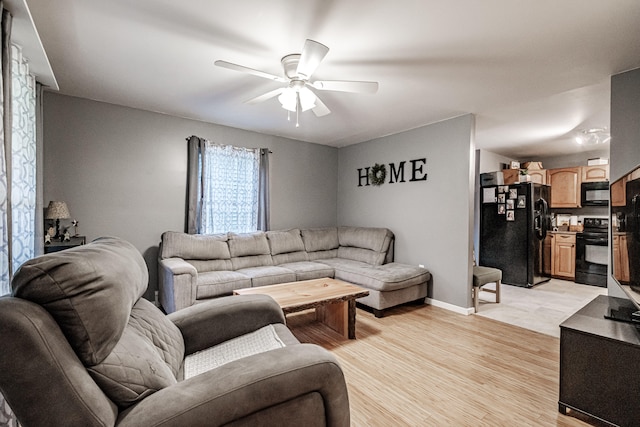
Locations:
{"points": [[565, 187], [619, 192], [538, 176], [595, 173]]}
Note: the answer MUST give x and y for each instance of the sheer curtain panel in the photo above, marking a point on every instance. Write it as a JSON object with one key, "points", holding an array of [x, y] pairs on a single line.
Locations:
{"points": [[5, 154], [23, 161], [228, 188]]}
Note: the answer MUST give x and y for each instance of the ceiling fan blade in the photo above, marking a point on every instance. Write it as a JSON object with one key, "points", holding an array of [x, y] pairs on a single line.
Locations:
{"points": [[312, 54], [243, 69], [346, 86], [320, 109], [265, 96]]}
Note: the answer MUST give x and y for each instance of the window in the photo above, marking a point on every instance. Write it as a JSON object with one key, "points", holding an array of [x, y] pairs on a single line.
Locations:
{"points": [[230, 188]]}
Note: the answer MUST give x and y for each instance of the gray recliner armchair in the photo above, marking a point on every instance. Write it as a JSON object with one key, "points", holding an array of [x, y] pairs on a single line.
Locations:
{"points": [[81, 347]]}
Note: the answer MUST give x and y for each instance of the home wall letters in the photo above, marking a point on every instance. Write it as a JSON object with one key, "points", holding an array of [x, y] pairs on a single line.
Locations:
{"points": [[397, 171]]}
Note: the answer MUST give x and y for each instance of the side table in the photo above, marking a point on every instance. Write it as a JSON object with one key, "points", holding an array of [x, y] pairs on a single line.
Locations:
{"points": [[600, 364], [57, 245]]}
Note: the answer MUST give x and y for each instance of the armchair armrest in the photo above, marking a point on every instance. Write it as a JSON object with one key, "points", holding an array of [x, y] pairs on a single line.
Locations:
{"points": [[211, 322], [176, 283], [303, 375]]}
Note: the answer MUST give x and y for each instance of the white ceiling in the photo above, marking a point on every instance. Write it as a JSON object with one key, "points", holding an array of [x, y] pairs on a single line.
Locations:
{"points": [[533, 71]]}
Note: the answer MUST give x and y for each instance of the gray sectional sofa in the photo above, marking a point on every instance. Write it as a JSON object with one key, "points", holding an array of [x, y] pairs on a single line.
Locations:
{"points": [[194, 268]]}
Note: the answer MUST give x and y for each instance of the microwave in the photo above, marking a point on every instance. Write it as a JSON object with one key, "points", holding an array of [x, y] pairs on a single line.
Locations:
{"points": [[595, 193]]}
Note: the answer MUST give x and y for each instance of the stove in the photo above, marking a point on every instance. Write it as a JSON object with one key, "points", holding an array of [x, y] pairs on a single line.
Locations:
{"points": [[592, 252]]}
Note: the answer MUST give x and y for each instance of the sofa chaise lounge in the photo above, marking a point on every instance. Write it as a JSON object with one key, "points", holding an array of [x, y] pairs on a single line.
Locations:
{"points": [[195, 268]]}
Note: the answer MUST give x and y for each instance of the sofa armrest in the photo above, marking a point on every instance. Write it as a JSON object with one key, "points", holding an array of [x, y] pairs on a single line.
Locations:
{"points": [[211, 322], [247, 386], [176, 283]]}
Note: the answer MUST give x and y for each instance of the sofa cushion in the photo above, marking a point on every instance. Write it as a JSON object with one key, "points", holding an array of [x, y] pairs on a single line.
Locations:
{"points": [[387, 277], [248, 244], [307, 270], [320, 255], [146, 359], [285, 241], [375, 239], [363, 255], [218, 283], [269, 275], [204, 265], [194, 246], [320, 239], [289, 257], [89, 290]]}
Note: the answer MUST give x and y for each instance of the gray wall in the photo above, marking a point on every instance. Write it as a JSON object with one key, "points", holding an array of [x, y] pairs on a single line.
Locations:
{"points": [[625, 132], [432, 219], [122, 172]]}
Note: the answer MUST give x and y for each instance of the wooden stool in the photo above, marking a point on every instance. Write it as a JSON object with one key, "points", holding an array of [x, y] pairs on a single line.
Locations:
{"points": [[481, 277]]}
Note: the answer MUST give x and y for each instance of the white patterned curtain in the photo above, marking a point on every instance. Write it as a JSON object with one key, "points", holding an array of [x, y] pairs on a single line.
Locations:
{"points": [[230, 184], [23, 160], [5, 156], [228, 188]]}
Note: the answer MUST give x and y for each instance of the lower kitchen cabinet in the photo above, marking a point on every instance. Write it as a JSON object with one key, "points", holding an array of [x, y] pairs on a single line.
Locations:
{"points": [[563, 255]]}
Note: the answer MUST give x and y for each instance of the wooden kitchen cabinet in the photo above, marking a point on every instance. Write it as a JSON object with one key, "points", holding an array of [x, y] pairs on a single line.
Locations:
{"points": [[563, 255], [538, 176], [619, 192], [595, 173], [565, 187], [621, 258], [546, 254]]}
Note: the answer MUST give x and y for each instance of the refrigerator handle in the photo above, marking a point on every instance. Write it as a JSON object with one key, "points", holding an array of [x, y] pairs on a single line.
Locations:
{"points": [[635, 217], [542, 219]]}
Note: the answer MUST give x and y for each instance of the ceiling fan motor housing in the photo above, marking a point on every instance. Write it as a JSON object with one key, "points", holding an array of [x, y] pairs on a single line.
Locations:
{"points": [[290, 65]]}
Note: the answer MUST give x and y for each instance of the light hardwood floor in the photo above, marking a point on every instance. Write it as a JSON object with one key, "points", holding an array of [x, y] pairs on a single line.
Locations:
{"points": [[426, 366]]}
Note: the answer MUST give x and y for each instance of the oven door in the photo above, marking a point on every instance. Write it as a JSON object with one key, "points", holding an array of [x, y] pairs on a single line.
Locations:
{"points": [[592, 258]]}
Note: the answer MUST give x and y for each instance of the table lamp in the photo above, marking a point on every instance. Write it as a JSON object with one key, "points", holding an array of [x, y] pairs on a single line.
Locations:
{"points": [[57, 211]]}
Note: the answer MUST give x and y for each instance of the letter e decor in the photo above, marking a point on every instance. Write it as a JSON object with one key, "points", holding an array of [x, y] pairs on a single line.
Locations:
{"points": [[377, 174]]}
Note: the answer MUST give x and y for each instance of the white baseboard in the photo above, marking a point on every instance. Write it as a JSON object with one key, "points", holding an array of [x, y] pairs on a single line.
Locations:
{"points": [[450, 307]]}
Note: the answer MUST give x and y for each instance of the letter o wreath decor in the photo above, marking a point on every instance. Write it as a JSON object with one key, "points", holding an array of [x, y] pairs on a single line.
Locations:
{"points": [[378, 174]]}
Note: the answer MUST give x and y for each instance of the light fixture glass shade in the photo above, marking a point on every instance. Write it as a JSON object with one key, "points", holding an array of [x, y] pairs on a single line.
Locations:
{"points": [[289, 101], [57, 210], [593, 136]]}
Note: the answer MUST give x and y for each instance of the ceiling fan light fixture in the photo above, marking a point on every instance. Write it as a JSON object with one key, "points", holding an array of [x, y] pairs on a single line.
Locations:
{"points": [[593, 136], [289, 99]]}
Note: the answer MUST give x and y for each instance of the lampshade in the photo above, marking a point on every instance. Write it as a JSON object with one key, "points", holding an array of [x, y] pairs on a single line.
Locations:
{"points": [[57, 210]]}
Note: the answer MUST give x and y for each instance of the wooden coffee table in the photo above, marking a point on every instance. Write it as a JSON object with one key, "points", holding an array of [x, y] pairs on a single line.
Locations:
{"points": [[333, 300]]}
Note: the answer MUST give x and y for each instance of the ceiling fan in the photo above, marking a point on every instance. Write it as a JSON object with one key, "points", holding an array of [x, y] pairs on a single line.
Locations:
{"points": [[298, 95]]}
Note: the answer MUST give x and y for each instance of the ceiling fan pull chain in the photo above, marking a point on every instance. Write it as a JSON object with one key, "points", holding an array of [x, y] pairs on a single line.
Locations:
{"points": [[298, 108]]}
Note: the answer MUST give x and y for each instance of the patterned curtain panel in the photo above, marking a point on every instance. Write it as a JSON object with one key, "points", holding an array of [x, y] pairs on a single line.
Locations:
{"points": [[5, 153], [23, 162], [230, 189]]}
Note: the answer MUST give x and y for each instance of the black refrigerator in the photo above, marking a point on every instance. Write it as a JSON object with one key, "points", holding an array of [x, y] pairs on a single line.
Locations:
{"points": [[514, 221]]}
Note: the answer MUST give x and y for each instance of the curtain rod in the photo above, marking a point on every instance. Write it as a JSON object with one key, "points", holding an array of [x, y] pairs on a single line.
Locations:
{"points": [[193, 136]]}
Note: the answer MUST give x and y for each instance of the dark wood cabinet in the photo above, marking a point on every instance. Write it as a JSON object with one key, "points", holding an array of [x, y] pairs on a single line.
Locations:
{"points": [[57, 245], [600, 364]]}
